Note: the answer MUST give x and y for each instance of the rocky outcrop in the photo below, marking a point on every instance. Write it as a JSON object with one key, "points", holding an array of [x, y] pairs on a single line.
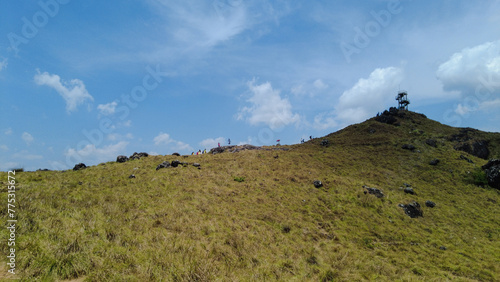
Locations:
{"points": [[413, 209], [163, 165], [136, 156], [325, 142], [79, 166], [389, 117], [121, 159], [409, 190], [176, 154], [373, 191], [492, 169], [477, 148], [175, 163]]}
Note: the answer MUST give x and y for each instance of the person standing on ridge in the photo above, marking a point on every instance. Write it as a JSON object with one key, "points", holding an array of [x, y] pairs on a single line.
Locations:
{"points": [[229, 141]]}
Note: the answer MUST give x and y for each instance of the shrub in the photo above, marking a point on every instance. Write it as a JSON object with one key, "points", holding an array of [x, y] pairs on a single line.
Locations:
{"points": [[239, 179]]}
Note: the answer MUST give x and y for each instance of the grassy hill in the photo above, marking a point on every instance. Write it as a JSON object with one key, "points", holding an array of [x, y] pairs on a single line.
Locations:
{"points": [[255, 215]]}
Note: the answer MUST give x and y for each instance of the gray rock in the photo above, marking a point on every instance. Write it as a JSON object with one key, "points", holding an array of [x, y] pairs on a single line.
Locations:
{"points": [[442, 248], [373, 191], [196, 165], [79, 166], [492, 170], [121, 159], [317, 184], [408, 147], [325, 142], [413, 209], [431, 142], [409, 190], [176, 154], [136, 156], [163, 165], [430, 204], [132, 176], [434, 162], [175, 163]]}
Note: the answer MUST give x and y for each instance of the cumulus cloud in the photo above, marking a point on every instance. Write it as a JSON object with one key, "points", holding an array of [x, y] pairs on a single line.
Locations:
{"points": [[267, 107], [27, 138], [107, 109], [319, 84], [473, 69], [368, 95], [212, 142], [94, 155], [73, 92], [165, 139]]}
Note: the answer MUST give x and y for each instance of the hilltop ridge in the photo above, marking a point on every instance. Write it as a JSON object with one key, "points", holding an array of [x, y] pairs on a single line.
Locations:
{"points": [[375, 200]]}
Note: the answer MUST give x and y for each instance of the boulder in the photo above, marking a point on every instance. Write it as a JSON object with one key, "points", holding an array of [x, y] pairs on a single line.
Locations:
{"points": [[409, 190], [431, 142], [317, 184], [413, 209], [176, 154], [79, 166], [430, 204], [132, 176], [373, 191], [136, 156], [196, 165], [121, 159], [408, 147], [477, 148], [163, 165], [175, 163], [434, 162], [492, 169], [217, 150], [325, 142]]}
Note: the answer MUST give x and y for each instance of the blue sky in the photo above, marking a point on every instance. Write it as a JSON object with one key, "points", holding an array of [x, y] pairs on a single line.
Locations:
{"points": [[85, 81]]}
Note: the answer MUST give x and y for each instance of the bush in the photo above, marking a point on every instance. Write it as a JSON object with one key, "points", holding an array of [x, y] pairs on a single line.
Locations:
{"points": [[478, 177], [239, 178]]}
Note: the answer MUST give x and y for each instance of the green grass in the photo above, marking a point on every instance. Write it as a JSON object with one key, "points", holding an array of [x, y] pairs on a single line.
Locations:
{"points": [[184, 223]]}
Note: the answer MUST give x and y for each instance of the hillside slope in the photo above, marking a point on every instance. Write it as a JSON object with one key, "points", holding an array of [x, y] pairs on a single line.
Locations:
{"points": [[256, 215]]}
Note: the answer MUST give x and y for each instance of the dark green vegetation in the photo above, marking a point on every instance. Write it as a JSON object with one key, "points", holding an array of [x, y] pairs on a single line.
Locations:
{"points": [[255, 215]]}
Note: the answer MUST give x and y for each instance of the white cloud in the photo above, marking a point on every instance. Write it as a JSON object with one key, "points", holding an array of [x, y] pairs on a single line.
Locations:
{"points": [[162, 139], [309, 88], [471, 68], [267, 107], [73, 92], [204, 23], [8, 131], [3, 64], [319, 84], [165, 139], [107, 109], [27, 138], [116, 136], [212, 143], [369, 96], [324, 121], [93, 155]]}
